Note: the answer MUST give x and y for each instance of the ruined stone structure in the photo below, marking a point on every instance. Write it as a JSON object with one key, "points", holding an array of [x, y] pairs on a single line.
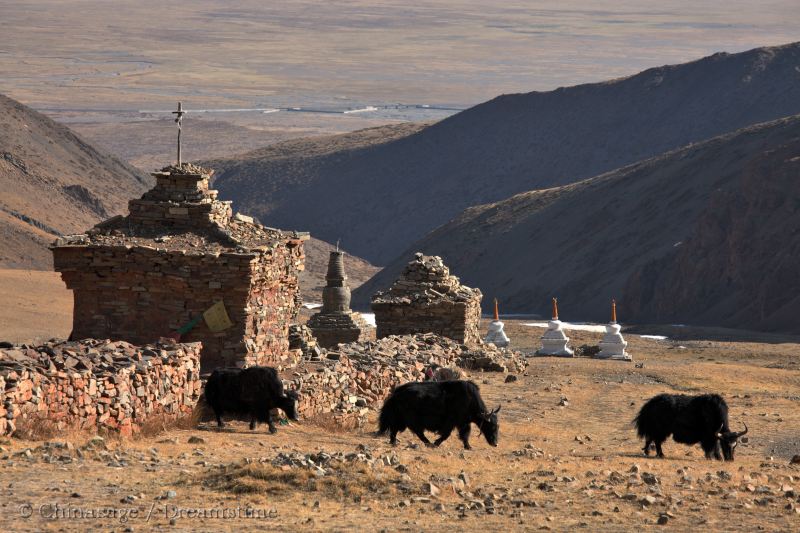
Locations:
{"points": [[427, 298], [97, 384], [179, 252], [336, 322], [346, 382]]}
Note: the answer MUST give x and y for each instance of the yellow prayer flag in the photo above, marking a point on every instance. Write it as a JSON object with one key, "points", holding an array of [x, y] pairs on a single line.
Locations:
{"points": [[217, 318]]}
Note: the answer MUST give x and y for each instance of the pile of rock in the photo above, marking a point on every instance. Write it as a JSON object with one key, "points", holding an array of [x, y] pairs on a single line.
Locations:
{"points": [[94, 384], [303, 344], [356, 376], [427, 298], [323, 463]]}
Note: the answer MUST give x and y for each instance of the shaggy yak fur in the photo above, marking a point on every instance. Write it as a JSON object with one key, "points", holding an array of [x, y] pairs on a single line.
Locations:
{"points": [[689, 419], [251, 393], [438, 406]]}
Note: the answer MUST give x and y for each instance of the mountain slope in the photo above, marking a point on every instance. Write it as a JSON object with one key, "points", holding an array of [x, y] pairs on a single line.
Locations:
{"points": [[708, 234], [382, 195], [53, 182]]}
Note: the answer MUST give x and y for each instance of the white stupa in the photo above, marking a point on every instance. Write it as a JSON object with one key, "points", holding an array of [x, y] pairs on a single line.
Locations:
{"points": [[496, 334], [613, 345], [554, 340]]}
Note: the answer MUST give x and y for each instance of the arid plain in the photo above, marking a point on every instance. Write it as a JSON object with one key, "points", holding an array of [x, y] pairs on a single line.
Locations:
{"points": [[568, 456]]}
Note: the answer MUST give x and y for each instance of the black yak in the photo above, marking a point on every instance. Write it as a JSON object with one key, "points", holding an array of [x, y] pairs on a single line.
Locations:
{"points": [[689, 419], [438, 406], [249, 392]]}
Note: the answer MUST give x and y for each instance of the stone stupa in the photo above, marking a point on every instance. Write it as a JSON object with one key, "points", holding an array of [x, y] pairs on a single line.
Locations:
{"points": [[613, 345], [336, 322], [554, 340], [496, 334]]}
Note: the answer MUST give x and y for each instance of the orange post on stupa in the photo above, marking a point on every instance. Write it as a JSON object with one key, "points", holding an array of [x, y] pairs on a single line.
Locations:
{"points": [[613, 311], [496, 311], [555, 308]]}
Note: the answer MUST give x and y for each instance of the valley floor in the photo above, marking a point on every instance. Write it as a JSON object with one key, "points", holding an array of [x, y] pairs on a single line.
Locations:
{"points": [[568, 459]]}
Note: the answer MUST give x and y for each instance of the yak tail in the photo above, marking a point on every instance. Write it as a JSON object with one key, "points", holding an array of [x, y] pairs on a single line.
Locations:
{"points": [[641, 428], [385, 418]]}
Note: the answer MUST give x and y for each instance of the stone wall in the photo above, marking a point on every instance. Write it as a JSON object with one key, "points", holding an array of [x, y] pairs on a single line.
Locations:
{"points": [[97, 384], [141, 293], [427, 298], [354, 377]]}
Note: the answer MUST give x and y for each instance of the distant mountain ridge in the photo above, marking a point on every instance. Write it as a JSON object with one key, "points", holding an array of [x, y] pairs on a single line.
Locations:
{"points": [[53, 183], [382, 194], [706, 235]]}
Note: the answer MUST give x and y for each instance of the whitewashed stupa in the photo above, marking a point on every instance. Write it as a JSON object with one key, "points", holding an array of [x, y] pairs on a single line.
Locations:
{"points": [[496, 334], [613, 345], [554, 340]]}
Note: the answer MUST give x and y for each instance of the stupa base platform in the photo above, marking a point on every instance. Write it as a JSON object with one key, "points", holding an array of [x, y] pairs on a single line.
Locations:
{"points": [[333, 329]]}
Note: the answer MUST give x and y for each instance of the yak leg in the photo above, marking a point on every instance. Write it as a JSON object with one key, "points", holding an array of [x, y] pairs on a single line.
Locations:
{"points": [[659, 451], [393, 437], [252, 420], [463, 434], [443, 437], [647, 444], [271, 422], [421, 434], [218, 414], [711, 448]]}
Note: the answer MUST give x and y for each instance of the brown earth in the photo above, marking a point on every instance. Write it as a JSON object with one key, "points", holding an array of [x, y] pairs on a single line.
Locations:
{"points": [[557, 467], [705, 235], [36, 306], [409, 185]]}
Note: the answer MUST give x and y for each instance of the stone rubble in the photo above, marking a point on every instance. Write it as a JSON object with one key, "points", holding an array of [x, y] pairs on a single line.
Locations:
{"points": [[97, 383], [428, 299], [350, 379]]}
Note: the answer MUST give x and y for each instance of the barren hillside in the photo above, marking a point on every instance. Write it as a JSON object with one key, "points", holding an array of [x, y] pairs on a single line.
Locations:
{"points": [[53, 182], [705, 235], [379, 197]]}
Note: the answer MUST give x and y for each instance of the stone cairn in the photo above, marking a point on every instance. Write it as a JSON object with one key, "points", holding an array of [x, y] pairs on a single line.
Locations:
{"points": [[303, 343], [496, 334], [347, 381], [336, 322], [179, 252], [96, 384], [613, 345], [554, 340], [428, 299]]}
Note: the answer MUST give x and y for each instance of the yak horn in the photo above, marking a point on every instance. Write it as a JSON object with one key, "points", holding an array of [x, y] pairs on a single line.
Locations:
{"points": [[739, 434], [719, 431]]}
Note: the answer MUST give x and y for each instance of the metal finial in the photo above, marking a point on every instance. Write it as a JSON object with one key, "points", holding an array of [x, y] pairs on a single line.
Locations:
{"points": [[178, 120]]}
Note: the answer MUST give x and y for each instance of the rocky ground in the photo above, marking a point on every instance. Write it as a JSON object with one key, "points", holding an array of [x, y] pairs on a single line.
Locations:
{"points": [[568, 458]]}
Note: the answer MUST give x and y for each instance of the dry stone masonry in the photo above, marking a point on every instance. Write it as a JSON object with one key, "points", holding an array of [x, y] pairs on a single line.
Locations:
{"points": [[97, 384], [336, 322], [347, 381], [179, 252], [428, 299]]}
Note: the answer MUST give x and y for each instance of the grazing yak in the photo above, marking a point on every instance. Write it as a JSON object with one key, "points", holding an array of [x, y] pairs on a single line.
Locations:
{"points": [[689, 419], [438, 406], [249, 392]]}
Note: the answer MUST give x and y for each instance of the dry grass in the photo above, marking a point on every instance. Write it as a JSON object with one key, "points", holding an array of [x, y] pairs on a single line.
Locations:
{"points": [[350, 481]]}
